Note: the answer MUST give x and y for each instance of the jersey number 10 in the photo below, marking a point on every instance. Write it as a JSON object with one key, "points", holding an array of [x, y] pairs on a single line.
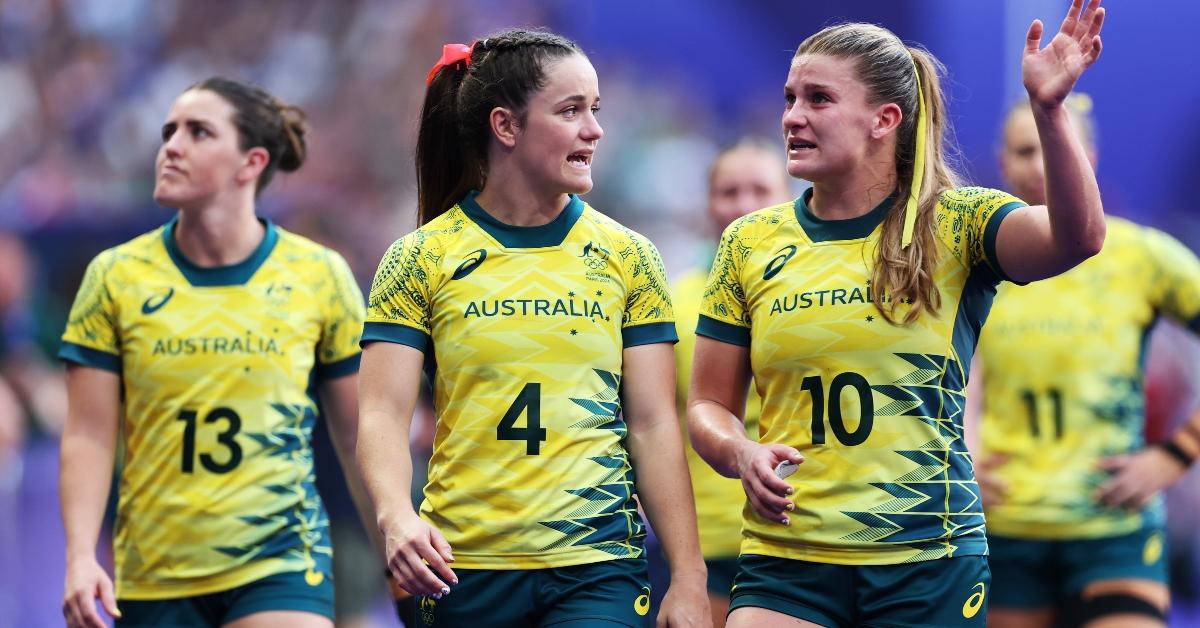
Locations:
{"points": [[837, 424]]}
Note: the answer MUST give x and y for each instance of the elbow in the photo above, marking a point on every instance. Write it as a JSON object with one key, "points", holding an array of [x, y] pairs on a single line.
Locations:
{"points": [[1094, 240]]}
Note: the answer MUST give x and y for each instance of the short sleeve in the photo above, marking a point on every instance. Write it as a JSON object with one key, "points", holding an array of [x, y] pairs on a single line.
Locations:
{"points": [[1174, 283], [968, 221], [338, 350], [648, 317], [398, 309], [724, 314], [92, 335]]}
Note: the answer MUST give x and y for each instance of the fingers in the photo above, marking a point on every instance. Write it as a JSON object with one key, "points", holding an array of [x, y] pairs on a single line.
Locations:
{"points": [[413, 575], [1113, 463], [108, 599], [1071, 20], [1033, 39], [1094, 53], [767, 493], [1119, 492], [79, 609], [1083, 24], [436, 557]]}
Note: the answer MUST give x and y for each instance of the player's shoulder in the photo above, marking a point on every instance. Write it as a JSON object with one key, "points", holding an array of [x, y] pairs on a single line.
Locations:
{"points": [[612, 229], [147, 249], [760, 224], [974, 198]]}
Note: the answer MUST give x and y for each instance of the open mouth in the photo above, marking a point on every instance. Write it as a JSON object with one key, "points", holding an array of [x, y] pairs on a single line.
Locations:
{"points": [[798, 145], [580, 160]]}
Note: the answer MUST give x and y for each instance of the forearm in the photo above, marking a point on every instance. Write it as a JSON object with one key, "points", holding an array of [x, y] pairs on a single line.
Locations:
{"points": [[85, 473], [1075, 210], [717, 435], [664, 489], [344, 433], [385, 464]]}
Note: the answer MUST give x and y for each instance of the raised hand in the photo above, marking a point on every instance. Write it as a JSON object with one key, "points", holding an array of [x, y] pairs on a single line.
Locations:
{"points": [[1050, 73]]}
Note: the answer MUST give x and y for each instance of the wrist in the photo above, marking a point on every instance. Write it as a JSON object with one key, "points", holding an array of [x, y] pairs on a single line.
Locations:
{"points": [[1177, 453]]}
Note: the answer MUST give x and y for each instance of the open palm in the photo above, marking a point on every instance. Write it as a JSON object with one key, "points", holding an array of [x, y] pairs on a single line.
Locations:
{"points": [[1050, 73]]}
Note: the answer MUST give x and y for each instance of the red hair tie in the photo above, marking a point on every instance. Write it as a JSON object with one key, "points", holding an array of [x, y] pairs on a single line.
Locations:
{"points": [[452, 54]]}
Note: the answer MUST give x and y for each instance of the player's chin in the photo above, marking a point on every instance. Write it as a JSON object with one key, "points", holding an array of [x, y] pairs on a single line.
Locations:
{"points": [[578, 183], [168, 196]]}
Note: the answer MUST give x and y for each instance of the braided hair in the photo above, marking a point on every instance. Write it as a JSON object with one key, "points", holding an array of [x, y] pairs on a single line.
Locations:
{"points": [[506, 68]]}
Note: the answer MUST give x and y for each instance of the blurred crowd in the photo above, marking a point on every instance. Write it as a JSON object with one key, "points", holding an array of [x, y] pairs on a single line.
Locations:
{"points": [[86, 84]]}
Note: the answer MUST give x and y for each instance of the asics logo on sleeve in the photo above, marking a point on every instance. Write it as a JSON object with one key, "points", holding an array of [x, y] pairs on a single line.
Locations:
{"points": [[474, 259], [156, 303], [781, 258]]}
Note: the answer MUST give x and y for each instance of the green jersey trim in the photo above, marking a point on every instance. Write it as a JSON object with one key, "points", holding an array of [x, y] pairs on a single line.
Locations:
{"points": [[232, 275], [398, 334], [648, 334], [989, 237], [511, 236], [819, 230], [722, 331], [86, 356], [341, 368]]}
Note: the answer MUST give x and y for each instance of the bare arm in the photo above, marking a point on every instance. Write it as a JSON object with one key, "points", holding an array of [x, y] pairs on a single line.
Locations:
{"points": [[339, 397], [1042, 241], [663, 485], [716, 403], [1139, 476], [389, 379], [89, 444]]}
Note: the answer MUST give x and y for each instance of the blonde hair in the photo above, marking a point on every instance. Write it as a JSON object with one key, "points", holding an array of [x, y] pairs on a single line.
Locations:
{"points": [[895, 73]]}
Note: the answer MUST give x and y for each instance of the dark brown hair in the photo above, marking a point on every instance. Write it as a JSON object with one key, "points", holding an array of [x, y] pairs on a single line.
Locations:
{"points": [[452, 142], [263, 120]]}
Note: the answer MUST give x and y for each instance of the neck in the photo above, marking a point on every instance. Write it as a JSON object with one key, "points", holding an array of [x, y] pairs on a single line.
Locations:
{"points": [[856, 193], [214, 237], [509, 198]]}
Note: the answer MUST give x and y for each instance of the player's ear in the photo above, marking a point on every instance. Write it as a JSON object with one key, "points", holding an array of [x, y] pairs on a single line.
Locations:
{"points": [[505, 126]]}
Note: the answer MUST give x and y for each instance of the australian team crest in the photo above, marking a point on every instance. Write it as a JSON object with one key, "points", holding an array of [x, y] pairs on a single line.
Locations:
{"points": [[594, 256]]}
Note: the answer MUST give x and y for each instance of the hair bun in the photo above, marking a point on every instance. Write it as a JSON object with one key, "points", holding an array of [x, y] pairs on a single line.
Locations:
{"points": [[294, 149]]}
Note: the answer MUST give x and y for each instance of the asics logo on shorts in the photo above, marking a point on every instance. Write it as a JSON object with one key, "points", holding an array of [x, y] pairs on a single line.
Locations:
{"points": [[155, 303], [641, 604], [474, 259], [781, 258], [975, 601]]}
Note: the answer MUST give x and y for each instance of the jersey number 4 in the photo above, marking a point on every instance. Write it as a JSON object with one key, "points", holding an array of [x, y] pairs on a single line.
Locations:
{"points": [[529, 403], [837, 423], [233, 424]]}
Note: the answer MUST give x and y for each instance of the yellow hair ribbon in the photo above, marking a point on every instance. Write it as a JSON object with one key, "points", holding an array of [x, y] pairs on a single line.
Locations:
{"points": [[914, 194]]}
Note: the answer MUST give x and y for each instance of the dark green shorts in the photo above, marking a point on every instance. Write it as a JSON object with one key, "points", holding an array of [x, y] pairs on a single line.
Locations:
{"points": [[720, 574], [614, 592], [280, 592], [1039, 574], [946, 592]]}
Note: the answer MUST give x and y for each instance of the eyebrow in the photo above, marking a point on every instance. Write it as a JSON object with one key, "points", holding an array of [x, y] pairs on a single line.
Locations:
{"points": [[574, 98]]}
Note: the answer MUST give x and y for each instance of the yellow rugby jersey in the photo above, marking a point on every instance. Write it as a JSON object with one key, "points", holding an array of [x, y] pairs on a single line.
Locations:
{"points": [[218, 369], [523, 330], [875, 409], [1062, 367], [719, 499]]}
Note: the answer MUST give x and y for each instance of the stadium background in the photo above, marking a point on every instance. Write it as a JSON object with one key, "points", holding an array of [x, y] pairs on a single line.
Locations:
{"points": [[84, 86]]}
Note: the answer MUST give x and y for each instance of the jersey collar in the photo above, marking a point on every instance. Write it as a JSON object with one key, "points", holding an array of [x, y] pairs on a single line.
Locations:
{"points": [[819, 230], [232, 275], [511, 236]]}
